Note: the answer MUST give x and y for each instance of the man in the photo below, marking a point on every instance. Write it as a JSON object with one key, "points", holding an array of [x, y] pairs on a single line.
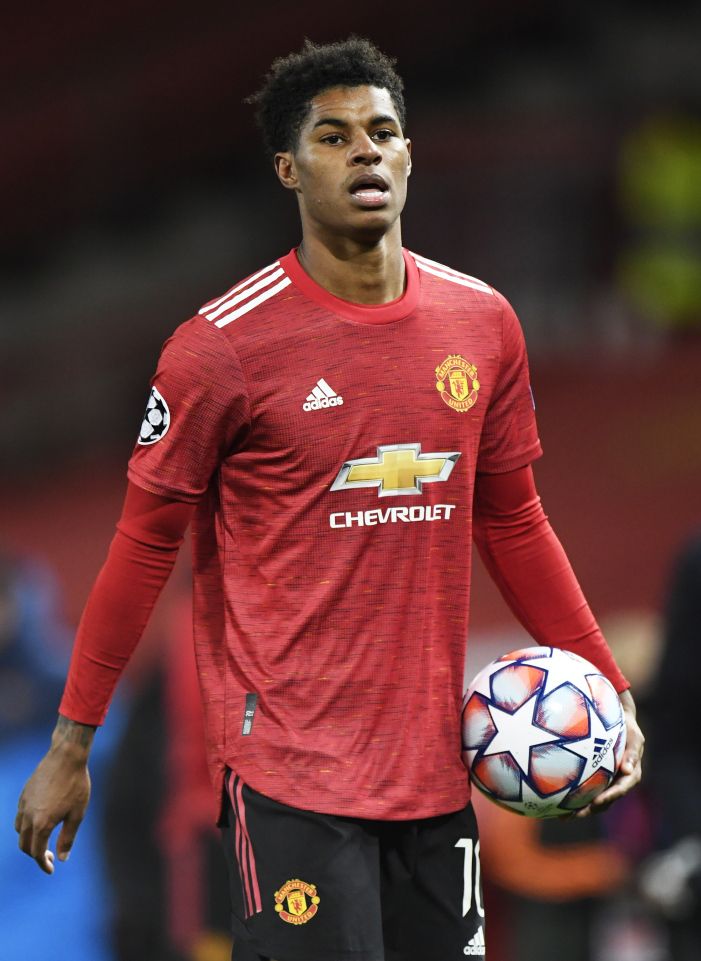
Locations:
{"points": [[327, 425]]}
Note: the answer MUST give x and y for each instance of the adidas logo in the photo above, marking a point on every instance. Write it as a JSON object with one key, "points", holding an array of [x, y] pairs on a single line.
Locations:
{"points": [[475, 946], [322, 396], [601, 748]]}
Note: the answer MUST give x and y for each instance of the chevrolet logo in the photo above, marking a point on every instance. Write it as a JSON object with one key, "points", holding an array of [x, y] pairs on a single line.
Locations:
{"points": [[397, 469]]}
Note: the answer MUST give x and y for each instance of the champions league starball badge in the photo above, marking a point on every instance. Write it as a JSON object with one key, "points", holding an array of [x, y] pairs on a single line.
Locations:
{"points": [[156, 419]]}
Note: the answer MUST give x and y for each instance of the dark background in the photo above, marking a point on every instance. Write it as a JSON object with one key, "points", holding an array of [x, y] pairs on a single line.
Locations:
{"points": [[557, 155]]}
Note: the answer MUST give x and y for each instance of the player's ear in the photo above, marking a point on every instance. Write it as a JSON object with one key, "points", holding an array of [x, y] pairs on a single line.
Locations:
{"points": [[286, 169], [408, 150]]}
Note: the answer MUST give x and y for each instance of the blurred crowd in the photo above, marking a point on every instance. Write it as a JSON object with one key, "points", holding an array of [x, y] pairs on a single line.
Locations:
{"points": [[34, 643]]}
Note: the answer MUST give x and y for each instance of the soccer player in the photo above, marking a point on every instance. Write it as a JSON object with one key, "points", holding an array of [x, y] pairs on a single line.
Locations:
{"points": [[338, 428]]}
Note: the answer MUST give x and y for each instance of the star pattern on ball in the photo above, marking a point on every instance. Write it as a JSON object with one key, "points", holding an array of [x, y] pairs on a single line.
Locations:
{"points": [[517, 733], [484, 679], [558, 670], [597, 748], [533, 804]]}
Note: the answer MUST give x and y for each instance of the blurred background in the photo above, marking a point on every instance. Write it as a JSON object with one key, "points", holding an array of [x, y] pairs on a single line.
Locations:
{"points": [[557, 155]]}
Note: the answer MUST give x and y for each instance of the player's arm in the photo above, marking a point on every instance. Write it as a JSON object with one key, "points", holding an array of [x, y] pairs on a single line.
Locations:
{"points": [[527, 562], [141, 557], [200, 397]]}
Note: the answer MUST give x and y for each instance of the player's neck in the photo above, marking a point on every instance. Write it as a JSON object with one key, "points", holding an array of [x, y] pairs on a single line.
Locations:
{"points": [[355, 272]]}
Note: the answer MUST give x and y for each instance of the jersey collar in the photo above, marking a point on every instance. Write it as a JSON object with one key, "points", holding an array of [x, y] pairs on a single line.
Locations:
{"points": [[358, 313]]}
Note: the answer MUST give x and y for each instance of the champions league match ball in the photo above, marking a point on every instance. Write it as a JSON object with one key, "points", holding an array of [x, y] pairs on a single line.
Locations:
{"points": [[543, 732]]}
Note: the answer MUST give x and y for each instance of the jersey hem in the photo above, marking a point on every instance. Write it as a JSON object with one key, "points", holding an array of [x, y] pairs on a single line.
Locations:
{"points": [[389, 811]]}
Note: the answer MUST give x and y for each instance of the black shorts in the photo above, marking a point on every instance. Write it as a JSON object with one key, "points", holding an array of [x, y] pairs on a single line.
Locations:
{"points": [[318, 887]]}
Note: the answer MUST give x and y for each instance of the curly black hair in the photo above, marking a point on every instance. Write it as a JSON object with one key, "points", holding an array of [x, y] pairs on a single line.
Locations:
{"points": [[293, 81]]}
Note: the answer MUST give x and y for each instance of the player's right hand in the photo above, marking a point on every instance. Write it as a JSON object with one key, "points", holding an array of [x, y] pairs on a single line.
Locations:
{"points": [[57, 793]]}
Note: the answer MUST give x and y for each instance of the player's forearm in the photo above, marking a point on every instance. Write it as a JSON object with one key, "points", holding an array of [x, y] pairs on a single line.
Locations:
{"points": [[114, 619], [139, 562], [527, 562]]}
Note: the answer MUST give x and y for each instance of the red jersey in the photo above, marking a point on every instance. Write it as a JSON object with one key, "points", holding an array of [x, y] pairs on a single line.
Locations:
{"points": [[332, 450]]}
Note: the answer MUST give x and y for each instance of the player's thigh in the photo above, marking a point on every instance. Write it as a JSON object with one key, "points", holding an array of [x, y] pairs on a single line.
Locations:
{"points": [[304, 886], [432, 892]]}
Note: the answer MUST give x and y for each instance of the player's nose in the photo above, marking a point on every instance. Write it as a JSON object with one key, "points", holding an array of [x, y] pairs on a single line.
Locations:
{"points": [[364, 150]]}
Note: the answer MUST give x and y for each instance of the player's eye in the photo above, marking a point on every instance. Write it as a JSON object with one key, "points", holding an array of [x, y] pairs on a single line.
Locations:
{"points": [[332, 138], [383, 134]]}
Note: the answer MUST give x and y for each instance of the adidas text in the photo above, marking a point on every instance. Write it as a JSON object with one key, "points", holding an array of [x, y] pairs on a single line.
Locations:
{"points": [[601, 749], [322, 395], [317, 403]]}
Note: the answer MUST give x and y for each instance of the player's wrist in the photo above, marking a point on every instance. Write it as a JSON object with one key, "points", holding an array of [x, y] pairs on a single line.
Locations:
{"points": [[71, 739], [626, 699]]}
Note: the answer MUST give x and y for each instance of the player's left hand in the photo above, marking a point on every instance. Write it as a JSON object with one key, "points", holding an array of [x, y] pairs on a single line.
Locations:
{"points": [[630, 770]]}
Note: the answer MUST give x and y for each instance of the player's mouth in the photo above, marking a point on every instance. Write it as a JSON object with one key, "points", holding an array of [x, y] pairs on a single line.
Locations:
{"points": [[369, 190]]}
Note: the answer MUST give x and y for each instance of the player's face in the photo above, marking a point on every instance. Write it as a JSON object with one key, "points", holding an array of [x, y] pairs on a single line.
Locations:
{"points": [[351, 164]]}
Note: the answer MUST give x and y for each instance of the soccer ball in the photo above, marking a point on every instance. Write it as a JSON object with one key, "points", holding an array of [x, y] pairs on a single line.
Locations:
{"points": [[543, 731]]}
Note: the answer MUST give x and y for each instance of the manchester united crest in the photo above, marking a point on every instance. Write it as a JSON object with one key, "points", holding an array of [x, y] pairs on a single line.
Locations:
{"points": [[456, 382], [297, 902]]}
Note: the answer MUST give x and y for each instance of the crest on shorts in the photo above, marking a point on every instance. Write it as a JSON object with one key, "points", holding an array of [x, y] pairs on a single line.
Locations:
{"points": [[296, 902], [456, 382]]}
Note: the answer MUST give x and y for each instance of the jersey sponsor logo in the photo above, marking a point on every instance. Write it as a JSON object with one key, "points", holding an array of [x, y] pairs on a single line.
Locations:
{"points": [[322, 396], [296, 902], [398, 469], [476, 946], [156, 419], [456, 382], [392, 515]]}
